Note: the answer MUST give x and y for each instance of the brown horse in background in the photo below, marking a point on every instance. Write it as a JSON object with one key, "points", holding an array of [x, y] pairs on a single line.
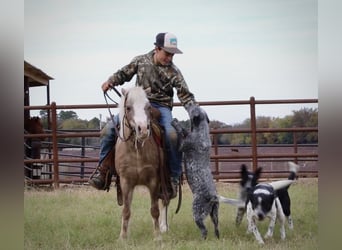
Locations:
{"points": [[139, 158], [32, 125]]}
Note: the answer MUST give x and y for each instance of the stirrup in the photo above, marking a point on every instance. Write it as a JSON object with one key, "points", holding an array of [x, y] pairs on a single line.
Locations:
{"points": [[107, 180]]}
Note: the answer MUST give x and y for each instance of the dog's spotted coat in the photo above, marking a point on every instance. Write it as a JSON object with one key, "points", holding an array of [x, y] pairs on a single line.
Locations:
{"points": [[196, 146]]}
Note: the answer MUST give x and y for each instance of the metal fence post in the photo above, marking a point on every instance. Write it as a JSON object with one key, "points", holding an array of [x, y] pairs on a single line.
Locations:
{"points": [[217, 171], [253, 134], [54, 145]]}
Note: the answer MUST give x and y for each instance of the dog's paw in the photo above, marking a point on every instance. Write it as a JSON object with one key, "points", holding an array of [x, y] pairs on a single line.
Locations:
{"points": [[282, 233], [260, 241], [268, 235], [290, 223]]}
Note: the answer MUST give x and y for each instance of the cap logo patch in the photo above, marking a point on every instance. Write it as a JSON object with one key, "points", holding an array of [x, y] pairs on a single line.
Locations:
{"points": [[173, 41]]}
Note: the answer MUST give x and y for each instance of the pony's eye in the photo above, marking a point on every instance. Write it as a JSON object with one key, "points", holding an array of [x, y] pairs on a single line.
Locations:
{"points": [[128, 108]]}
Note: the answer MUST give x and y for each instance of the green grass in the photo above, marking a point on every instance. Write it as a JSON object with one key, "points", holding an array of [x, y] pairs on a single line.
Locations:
{"points": [[80, 217]]}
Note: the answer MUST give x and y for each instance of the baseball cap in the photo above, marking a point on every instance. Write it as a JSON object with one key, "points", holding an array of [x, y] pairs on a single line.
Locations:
{"points": [[168, 42]]}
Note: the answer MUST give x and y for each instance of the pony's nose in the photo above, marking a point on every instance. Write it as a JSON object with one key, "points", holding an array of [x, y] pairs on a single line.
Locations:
{"points": [[143, 130]]}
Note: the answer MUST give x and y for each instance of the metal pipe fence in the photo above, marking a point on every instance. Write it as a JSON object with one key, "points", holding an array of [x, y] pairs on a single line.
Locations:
{"points": [[56, 167]]}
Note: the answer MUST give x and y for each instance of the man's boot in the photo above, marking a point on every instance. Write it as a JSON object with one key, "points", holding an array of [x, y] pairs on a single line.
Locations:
{"points": [[102, 179]]}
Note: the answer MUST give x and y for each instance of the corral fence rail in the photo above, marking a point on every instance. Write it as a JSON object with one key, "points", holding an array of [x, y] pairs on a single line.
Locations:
{"points": [[225, 163]]}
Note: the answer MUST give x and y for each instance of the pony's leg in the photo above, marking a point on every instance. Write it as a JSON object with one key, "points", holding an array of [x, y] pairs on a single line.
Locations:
{"points": [[126, 210], [163, 223], [155, 213]]}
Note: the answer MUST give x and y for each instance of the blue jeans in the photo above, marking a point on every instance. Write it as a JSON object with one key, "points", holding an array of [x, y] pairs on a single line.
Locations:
{"points": [[171, 140]]}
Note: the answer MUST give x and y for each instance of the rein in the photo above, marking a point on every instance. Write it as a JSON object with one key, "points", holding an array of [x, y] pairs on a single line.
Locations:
{"points": [[124, 121], [105, 94]]}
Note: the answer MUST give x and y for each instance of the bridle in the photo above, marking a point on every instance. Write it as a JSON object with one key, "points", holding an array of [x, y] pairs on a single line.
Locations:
{"points": [[124, 122]]}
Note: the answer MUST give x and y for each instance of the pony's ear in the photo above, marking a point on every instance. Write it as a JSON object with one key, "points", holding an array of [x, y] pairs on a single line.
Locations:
{"points": [[124, 91]]}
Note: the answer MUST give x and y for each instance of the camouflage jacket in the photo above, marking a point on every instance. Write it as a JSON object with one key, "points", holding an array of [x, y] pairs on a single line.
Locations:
{"points": [[158, 81]]}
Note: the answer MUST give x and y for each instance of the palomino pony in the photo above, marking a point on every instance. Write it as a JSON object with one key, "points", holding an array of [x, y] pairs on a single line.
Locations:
{"points": [[139, 158]]}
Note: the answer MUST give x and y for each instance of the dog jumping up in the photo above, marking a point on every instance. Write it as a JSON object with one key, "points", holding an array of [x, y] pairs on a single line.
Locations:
{"points": [[196, 146]]}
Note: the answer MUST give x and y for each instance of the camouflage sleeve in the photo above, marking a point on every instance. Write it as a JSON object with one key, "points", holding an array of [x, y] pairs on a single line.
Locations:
{"points": [[184, 94], [124, 74]]}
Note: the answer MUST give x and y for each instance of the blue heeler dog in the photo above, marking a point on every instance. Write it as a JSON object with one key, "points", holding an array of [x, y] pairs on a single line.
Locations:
{"points": [[196, 147]]}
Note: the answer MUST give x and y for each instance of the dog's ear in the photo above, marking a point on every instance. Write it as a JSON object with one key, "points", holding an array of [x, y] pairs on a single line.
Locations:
{"points": [[243, 174], [258, 172], [256, 176], [206, 116], [243, 169]]}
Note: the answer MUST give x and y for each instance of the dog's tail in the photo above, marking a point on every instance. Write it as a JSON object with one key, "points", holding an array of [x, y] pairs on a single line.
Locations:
{"points": [[277, 185], [234, 202], [293, 168]]}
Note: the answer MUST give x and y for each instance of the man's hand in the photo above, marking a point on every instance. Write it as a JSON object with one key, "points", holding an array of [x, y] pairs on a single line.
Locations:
{"points": [[106, 85]]}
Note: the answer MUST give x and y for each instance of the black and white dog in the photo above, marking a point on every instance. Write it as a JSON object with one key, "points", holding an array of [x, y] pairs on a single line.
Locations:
{"points": [[266, 200], [196, 146], [270, 200], [250, 179], [263, 202]]}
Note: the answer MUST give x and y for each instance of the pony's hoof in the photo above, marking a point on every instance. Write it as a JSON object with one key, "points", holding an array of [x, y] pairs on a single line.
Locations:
{"points": [[164, 228]]}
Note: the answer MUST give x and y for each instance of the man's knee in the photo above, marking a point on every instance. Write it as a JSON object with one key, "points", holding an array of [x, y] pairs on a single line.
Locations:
{"points": [[108, 130], [173, 137]]}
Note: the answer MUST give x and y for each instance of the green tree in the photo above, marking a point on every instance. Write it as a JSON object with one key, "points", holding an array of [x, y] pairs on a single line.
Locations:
{"points": [[263, 122], [44, 117], [306, 117], [94, 123], [221, 138], [285, 137], [65, 115], [71, 124]]}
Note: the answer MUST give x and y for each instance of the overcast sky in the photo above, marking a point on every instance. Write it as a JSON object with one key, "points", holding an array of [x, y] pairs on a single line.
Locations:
{"points": [[233, 49]]}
